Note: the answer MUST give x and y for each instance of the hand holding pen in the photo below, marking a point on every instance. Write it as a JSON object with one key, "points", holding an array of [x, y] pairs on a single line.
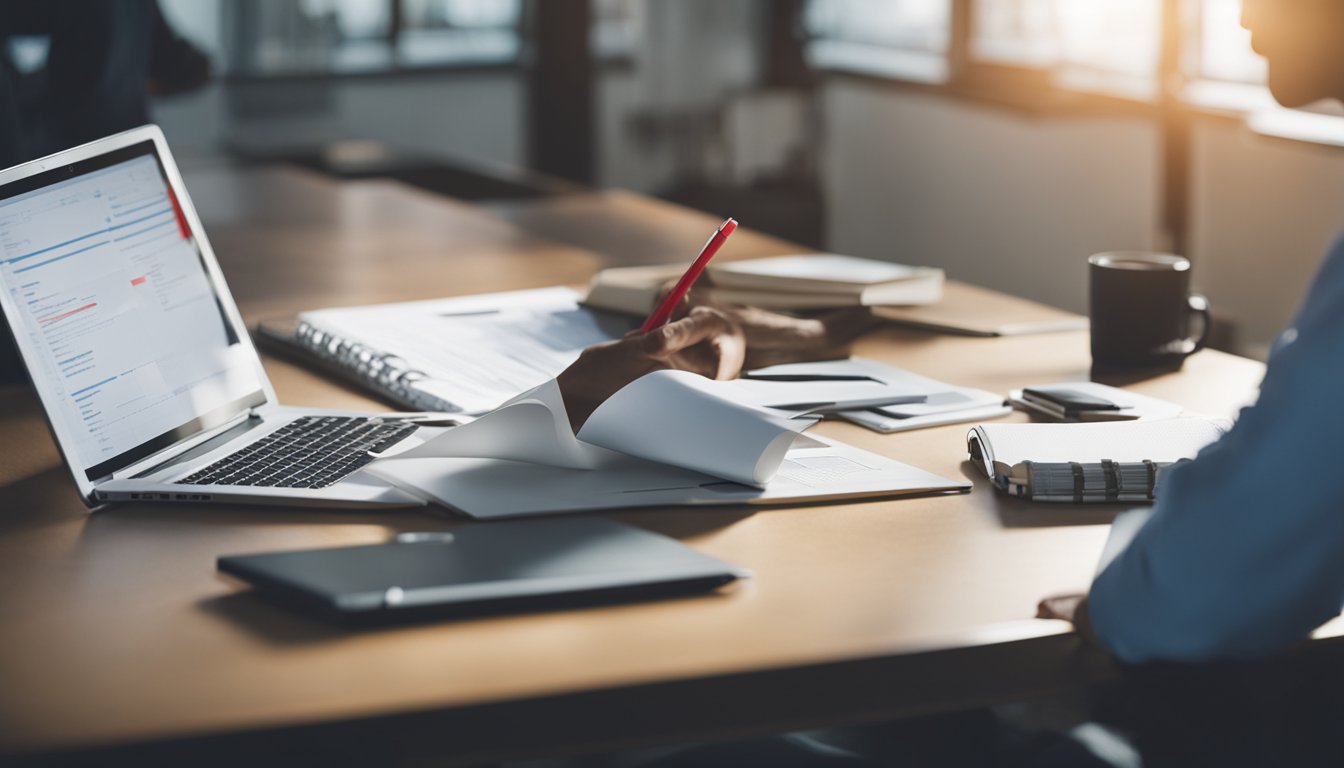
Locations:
{"points": [[706, 341], [664, 311]]}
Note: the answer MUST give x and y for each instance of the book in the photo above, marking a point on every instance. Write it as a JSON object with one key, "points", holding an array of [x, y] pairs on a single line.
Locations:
{"points": [[786, 283], [967, 310], [856, 281], [632, 291], [1118, 461], [670, 438]]}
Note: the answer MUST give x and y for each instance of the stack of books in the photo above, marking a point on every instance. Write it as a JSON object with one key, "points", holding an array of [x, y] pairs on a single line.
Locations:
{"points": [[818, 281]]}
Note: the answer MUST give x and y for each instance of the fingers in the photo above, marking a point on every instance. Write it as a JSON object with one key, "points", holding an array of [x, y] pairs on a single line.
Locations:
{"points": [[706, 342], [683, 307], [1061, 607], [732, 355], [720, 358], [702, 324]]}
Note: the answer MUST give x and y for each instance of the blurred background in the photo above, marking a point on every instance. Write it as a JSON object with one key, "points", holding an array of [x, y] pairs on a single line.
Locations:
{"points": [[1002, 140]]}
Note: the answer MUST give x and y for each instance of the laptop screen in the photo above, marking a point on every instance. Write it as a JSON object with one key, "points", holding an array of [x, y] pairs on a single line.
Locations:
{"points": [[126, 335]]}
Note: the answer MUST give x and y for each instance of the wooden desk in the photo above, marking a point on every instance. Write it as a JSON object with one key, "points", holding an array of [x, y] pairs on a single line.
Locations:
{"points": [[115, 629]]}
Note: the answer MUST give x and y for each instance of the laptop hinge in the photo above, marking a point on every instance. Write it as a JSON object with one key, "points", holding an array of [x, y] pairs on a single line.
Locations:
{"points": [[178, 448]]}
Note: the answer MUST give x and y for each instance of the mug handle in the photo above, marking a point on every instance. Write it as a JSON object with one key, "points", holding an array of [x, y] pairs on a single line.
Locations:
{"points": [[1199, 306]]}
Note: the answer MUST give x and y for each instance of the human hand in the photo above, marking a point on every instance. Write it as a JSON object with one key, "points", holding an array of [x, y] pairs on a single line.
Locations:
{"points": [[1071, 608], [775, 339], [704, 341]]}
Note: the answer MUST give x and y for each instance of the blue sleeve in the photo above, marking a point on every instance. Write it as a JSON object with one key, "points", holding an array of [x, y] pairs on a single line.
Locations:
{"points": [[1244, 553]]}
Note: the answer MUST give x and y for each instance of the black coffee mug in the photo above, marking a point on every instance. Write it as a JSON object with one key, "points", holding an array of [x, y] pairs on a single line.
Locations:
{"points": [[1141, 309]]}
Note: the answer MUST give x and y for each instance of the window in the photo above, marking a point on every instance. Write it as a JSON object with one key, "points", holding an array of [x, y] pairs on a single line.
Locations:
{"points": [[901, 38], [286, 37], [1224, 47], [616, 28], [1110, 46], [26, 54], [301, 36], [1222, 70], [281, 37], [436, 32], [1225, 74]]}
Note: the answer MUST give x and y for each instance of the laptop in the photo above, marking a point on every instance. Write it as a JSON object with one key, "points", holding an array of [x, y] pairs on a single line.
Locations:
{"points": [[150, 383], [480, 569]]}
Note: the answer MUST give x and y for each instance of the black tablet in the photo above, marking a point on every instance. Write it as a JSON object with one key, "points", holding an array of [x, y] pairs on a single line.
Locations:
{"points": [[484, 568]]}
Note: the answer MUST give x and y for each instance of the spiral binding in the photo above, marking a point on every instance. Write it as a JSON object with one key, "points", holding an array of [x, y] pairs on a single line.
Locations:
{"points": [[1109, 481], [389, 374]]}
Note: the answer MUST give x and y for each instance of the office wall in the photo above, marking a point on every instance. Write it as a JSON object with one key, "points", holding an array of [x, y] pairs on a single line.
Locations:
{"points": [[996, 198], [1018, 201], [1264, 212]]}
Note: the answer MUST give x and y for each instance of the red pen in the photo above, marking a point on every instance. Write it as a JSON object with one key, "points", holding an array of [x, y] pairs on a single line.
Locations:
{"points": [[664, 311]]}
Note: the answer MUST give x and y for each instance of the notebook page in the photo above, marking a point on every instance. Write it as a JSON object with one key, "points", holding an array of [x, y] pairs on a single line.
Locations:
{"points": [[1167, 440], [824, 268], [682, 419]]}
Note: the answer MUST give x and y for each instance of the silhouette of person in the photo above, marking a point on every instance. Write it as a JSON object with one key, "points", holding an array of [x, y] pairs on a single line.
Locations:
{"points": [[105, 58]]}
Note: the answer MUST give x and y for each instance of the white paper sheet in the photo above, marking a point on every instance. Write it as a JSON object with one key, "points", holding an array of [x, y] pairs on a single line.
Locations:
{"points": [[523, 431], [683, 419], [667, 417]]}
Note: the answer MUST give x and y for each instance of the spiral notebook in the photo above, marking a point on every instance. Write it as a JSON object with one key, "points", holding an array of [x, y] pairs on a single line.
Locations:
{"points": [[461, 355], [1118, 461]]}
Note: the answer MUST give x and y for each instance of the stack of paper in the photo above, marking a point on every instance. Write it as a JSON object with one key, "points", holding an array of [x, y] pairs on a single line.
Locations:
{"points": [[881, 397]]}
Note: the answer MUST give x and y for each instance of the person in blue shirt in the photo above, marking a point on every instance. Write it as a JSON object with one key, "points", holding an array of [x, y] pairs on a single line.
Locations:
{"points": [[1244, 552], [1243, 555]]}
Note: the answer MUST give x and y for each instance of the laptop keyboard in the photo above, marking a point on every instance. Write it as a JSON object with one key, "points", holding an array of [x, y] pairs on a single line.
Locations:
{"points": [[310, 452]]}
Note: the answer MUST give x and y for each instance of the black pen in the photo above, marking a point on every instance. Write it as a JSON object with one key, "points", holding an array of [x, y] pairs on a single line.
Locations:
{"points": [[801, 377]]}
